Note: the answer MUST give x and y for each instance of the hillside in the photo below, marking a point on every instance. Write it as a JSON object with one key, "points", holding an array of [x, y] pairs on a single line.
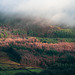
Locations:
{"points": [[20, 53], [37, 37], [37, 31], [36, 27], [35, 48], [31, 52]]}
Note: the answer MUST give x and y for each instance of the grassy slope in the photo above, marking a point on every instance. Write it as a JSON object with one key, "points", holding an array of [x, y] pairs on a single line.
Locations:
{"points": [[56, 40], [6, 63], [4, 58], [13, 72]]}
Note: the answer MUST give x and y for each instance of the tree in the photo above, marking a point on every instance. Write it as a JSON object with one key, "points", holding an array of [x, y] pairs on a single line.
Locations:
{"points": [[5, 34], [1, 35], [30, 33]]}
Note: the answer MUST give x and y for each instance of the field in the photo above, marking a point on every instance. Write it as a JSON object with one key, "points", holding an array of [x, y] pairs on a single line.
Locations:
{"points": [[16, 72]]}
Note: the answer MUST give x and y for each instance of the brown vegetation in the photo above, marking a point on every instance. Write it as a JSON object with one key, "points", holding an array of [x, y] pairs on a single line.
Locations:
{"points": [[34, 43], [33, 52]]}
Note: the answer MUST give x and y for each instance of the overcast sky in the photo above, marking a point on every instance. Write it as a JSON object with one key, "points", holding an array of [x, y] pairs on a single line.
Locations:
{"points": [[59, 11]]}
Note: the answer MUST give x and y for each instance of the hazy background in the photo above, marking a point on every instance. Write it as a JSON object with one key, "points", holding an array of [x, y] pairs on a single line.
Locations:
{"points": [[52, 11]]}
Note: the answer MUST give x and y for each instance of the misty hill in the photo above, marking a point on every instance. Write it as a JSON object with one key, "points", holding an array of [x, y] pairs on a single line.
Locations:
{"points": [[18, 48], [33, 26]]}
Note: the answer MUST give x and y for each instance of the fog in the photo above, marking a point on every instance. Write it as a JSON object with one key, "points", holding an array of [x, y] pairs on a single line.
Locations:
{"points": [[51, 11]]}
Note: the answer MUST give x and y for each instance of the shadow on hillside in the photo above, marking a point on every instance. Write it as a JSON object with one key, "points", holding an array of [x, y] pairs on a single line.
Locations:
{"points": [[51, 72], [58, 72], [13, 54], [22, 73]]}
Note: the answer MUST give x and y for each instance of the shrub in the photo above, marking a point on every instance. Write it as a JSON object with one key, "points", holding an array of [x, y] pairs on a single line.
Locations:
{"points": [[1, 35], [39, 50], [67, 59], [6, 34], [51, 52]]}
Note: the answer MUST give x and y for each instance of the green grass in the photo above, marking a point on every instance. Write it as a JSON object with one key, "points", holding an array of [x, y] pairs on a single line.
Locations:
{"points": [[55, 40], [36, 70], [13, 72]]}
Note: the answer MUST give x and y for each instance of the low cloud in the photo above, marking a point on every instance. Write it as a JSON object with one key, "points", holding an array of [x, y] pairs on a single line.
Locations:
{"points": [[56, 11]]}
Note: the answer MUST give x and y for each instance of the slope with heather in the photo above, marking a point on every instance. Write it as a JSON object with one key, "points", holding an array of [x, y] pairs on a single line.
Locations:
{"points": [[31, 52]]}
